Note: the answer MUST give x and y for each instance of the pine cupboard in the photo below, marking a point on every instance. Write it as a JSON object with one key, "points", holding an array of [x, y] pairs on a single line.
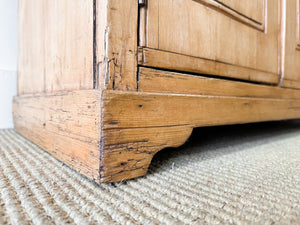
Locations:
{"points": [[103, 85]]}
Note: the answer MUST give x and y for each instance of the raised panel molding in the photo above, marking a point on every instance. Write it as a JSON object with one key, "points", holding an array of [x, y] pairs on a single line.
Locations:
{"points": [[230, 9]]}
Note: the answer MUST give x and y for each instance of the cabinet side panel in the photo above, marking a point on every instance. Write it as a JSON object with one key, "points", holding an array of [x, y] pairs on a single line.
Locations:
{"points": [[69, 41], [65, 124], [31, 53], [56, 45]]}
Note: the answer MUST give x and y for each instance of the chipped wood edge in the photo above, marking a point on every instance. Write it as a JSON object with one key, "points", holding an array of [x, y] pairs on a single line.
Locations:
{"points": [[127, 153], [112, 136], [136, 125], [65, 124], [116, 38]]}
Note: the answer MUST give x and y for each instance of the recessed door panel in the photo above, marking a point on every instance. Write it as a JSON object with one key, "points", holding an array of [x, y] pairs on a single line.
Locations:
{"points": [[242, 34]]}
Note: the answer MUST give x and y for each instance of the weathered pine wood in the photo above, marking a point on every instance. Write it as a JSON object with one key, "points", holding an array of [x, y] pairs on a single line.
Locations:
{"points": [[140, 109], [67, 125], [56, 45], [118, 141], [117, 37], [160, 81], [172, 61], [291, 51], [31, 74], [127, 153], [89, 98], [191, 28], [137, 125]]}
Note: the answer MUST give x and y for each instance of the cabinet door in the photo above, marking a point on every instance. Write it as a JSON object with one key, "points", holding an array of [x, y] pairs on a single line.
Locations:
{"points": [[291, 48], [231, 38]]}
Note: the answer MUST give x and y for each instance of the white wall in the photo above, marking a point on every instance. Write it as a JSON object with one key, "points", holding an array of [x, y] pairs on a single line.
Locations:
{"points": [[8, 59]]}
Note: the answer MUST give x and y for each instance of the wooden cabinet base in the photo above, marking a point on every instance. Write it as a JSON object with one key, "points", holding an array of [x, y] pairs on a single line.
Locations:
{"points": [[104, 85], [111, 136]]}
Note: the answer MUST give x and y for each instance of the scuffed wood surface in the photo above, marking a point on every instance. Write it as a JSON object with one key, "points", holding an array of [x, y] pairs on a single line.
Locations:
{"points": [[136, 125], [67, 125], [159, 81], [117, 37], [112, 135], [139, 109], [127, 153], [116, 139]]}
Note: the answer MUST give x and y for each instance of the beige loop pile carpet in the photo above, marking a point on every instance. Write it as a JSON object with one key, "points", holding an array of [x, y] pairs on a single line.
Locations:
{"points": [[245, 174]]}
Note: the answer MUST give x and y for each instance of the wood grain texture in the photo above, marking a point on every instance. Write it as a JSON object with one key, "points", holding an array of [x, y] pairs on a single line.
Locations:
{"points": [[251, 9], [31, 46], [116, 139], [291, 54], [189, 28], [67, 125], [117, 37], [137, 125], [152, 18], [127, 153], [298, 24], [172, 61], [160, 81], [250, 13], [100, 46], [56, 45], [141, 109], [126, 113]]}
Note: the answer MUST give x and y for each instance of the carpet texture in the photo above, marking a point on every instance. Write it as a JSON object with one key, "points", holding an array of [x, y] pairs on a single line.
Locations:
{"points": [[245, 174]]}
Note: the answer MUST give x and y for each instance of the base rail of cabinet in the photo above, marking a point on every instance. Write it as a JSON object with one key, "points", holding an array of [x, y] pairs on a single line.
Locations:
{"points": [[112, 136]]}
